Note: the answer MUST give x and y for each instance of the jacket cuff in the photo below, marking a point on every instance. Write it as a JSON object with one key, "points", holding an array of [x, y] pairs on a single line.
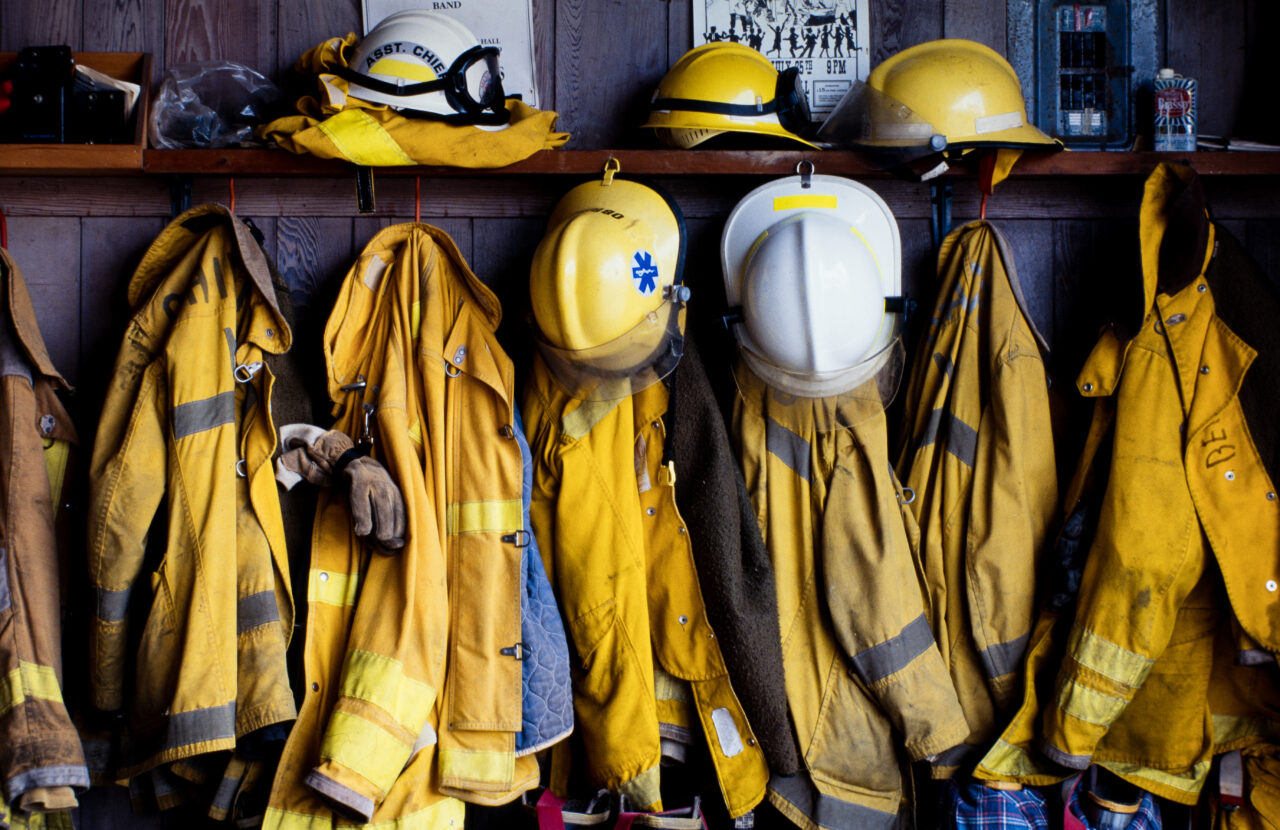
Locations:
{"points": [[49, 778], [344, 799]]}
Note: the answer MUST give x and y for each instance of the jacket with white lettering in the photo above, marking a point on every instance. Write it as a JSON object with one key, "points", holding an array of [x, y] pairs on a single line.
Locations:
{"points": [[187, 423], [863, 673]]}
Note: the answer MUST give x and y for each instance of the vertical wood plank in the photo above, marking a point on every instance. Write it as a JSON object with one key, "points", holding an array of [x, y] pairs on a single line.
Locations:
{"points": [[1262, 240], [679, 30], [980, 20], [1031, 241], [1204, 41], [544, 52], [125, 26], [44, 23], [304, 25], [312, 254], [47, 251], [610, 55], [1259, 121], [1096, 269], [243, 31], [897, 24], [502, 252]]}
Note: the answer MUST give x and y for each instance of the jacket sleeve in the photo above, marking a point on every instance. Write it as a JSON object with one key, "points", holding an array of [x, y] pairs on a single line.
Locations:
{"points": [[127, 482], [873, 593], [1014, 497]]}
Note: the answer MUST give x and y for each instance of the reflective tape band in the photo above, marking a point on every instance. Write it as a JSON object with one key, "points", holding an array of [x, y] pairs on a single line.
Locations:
{"points": [[56, 456], [996, 123], [643, 791], [29, 681], [255, 610], [1190, 783], [446, 812], [825, 810], [330, 588], [788, 447], [480, 766], [896, 653], [200, 416], [961, 439], [415, 320], [365, 748], [112, 605], [727, 734], [824, 201], [485, 516], [1009, 760], [380, 680], [1004, 658], [199, 725], [1108, 659], [362, 140], [1089, 705]]}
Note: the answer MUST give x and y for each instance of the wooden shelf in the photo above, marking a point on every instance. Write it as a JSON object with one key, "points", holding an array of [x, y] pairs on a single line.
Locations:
{"points": [[696, 162]]}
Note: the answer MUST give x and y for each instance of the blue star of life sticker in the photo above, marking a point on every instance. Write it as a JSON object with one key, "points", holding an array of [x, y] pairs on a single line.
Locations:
{"points": [[645, 272]]}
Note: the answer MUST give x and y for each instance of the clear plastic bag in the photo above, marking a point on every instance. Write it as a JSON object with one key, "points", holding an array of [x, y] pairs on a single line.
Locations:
{"points": [[211, 104]]}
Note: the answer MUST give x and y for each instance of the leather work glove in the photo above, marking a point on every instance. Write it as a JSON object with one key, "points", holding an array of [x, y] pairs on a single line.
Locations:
{"points": [[377, 507]]}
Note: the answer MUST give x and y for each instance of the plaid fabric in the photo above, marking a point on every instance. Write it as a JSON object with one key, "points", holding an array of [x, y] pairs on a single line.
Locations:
{"points": [[974, 805], [1147, 817]]}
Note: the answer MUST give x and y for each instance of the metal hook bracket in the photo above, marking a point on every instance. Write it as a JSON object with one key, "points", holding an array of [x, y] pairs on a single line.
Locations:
{"points": [[940, 197], [611, 167], [364, 189], [179, 195], [806, 174]]}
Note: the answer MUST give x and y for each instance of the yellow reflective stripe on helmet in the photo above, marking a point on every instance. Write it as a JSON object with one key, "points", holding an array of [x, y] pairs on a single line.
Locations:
{"points": [[28, 680], [332, 588], [1089, 705], [380, 680], [56, 454], [826, 201], [1107, 658], [362, 140], [476, 765], [447, 812], [365, 748], [1191, 782], [403, 69], [485, 516]]}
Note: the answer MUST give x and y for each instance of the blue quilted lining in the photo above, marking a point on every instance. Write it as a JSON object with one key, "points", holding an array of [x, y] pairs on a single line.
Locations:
{"points": [[547, 699]]}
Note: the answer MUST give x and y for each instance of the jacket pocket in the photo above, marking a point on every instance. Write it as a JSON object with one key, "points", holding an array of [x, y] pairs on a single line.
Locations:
{"points": [[853, 744]]}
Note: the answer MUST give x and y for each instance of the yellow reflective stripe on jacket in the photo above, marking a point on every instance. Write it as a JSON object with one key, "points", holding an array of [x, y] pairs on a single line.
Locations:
{"points": [[1089, 705], [643, 789], [380, 680], [365, 748], [485, 516], [1230, 728], [475, 765], [332, 588], [1007, 759], [56, 456], [448, 812], [1108, 659], [363, 140], [28, 680], [1191, 783]]}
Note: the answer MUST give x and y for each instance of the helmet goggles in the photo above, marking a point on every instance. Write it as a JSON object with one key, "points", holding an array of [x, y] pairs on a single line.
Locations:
{"points": [[475, 69], [789, 103]]}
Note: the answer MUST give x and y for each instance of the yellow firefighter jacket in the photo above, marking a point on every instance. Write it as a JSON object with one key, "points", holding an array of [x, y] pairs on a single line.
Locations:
{"points": [[187, 419], [412, 660], [42, 759], [980, 461], [1187, 541], [618, 554], [863, 673]]}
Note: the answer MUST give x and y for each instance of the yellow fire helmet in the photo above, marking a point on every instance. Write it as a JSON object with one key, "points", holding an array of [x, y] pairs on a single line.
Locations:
{"points": [[966, 90], [727, 87], [606, 289]]}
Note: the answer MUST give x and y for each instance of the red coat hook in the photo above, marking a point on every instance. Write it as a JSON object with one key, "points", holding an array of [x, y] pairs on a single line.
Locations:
{"points": [[417, 198]]}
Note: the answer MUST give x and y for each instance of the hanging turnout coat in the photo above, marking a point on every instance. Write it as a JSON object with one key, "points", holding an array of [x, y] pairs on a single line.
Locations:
{"points": [[980, 461], [1188, 528], [413, 660], [863, 673], [42, 761], [647, 666], [187, 420]]}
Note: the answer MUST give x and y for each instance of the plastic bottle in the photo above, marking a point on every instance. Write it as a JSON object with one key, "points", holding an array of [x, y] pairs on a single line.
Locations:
{"points": [[1175, 116]]}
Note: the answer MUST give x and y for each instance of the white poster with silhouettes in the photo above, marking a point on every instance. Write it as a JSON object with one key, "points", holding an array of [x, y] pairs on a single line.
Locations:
{"points": [[828, 40], [507, 24]]}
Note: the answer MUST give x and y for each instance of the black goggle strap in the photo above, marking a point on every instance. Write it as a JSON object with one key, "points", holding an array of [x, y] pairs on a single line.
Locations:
{"points": [[453, 83], [786, 102]]}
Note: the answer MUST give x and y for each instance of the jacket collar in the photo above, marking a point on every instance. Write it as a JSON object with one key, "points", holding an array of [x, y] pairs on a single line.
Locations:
{"points": [[21, 314]]}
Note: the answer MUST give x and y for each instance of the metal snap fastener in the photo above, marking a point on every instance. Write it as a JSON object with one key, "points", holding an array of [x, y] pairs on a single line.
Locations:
{"points": [[315, 687], [1176, 319], [507, 431], [683, 619], [1271, 496], [1271, 585], [650, 511], [1202, 288], [1204, 370], [47, 424], [270, 333], [1229, 475], [751, 741], [683, 531], [460, 355], [324, 577], [1088, 387], [657, 425]]}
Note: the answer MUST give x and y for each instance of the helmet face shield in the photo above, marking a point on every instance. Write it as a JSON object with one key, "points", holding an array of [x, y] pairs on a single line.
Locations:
{"points": [[886, 130], [789, 101]]}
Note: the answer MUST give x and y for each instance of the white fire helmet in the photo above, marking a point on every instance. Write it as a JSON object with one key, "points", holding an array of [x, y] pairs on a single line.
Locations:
{"points": [[429, 65], [814, 263]]}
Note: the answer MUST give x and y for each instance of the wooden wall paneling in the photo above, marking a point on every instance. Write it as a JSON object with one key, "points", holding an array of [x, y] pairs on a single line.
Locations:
{"points": [[1031, 242], [243, 31], [1096, 270], [1262, 239], [502, 250], [85, 196], [47, 251], [980, 20], [610, 54], [1259, 121], [1204, 41], [126, 26], [679, 30], [897, 24], [544, 52], [312, 255], [44, 23], [304, 25]]}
